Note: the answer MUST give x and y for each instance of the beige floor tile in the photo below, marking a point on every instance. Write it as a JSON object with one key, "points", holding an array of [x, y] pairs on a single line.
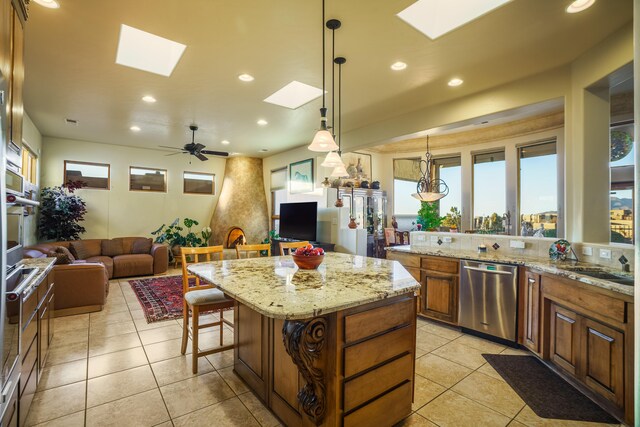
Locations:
{"points": [[169, 332], [461, 354], [73, 420], [116, 361], [112, 329], [121, 384], [115, 307], [164, 424], [195, 393], [440, 330], [441, 371], [258, 410], [230, 413], [420, 352], [211, 339], [452, 410], [63, 374], [221, 360], [415, 420], [487, 369], [137, 314], [102, 317], [67, 353], [428, 342], [490, 392], [102, 345], [480, 344], [56, 402], [424, 392], [67, 323], [178, 369], [72, 336], [165, 350], [144, 409], [515, 423], [237, 385], [529, 418], [142, 325], [516, 352]]}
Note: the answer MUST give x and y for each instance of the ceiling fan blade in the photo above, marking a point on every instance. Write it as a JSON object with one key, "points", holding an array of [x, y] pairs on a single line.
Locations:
{"points": [[173, 154], [201, 157], [173, 148], [198, 147], [215, 153]]}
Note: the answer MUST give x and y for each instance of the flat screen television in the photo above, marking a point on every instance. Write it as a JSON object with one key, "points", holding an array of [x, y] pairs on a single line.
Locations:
{"points": [[298, 220]]}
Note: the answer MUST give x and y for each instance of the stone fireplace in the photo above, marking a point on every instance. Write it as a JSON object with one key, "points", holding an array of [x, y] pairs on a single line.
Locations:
{"points": [[242, 205]]}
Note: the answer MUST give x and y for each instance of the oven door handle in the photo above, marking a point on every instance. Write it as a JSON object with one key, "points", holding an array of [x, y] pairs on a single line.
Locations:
{"points": [[24, 284]]}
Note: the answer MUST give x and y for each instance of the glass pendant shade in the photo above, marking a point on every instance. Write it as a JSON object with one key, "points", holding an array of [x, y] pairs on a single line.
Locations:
{"points": [[332, 160], [339, 172], [428, 197], [323, 142]]}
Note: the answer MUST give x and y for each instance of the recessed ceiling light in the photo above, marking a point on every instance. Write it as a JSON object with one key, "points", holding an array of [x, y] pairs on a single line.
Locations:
{"points": [[294, 95], [435, 18], [148, 98], [51, 4], [225, 142], [233, 153], [246, 77], [580, 5], [263, 150], [398, 66], [262, 122], [147, 52], [135, 128], [455, 82], [73, 122]]}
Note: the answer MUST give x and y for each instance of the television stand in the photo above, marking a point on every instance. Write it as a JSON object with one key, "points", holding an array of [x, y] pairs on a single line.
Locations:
{"points": [[275, 247]]}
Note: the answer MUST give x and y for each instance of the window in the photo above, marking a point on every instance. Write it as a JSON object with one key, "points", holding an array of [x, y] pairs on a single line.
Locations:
{"points": [[450, 171], [199, 183], [622, 183], [146, 179], [406, 173], [29, 165], [538, 193], [489, 192], [92, 175]]}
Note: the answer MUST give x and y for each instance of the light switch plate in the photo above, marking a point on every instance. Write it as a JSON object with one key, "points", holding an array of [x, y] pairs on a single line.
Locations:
{"points": [[419, 238], [587, 250], [434, 239], [334, 221], [517, 244], [605, 253], [447, 239]]}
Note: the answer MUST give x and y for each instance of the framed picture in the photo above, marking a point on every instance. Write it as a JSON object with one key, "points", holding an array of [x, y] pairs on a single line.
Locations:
{"points": [[301, 177], [358, 165]]}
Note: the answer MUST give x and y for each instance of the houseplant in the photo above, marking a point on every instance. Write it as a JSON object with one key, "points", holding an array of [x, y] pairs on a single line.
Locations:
{"points": [[452, 219], [173, 235], [428, 216], [61, 211]]}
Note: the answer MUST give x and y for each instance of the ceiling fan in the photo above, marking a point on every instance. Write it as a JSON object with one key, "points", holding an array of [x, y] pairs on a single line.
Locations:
{"points": [[195, 149]]}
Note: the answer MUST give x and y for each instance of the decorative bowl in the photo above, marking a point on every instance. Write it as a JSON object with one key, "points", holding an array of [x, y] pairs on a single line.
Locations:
{"points": [[559, 250], [308, 262]]}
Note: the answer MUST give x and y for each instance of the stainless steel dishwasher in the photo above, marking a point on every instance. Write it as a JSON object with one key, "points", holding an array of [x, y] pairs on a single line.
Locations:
{"points": [[488, 298]]}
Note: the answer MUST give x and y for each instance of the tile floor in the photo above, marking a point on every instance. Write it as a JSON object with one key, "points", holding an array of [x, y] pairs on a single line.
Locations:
{"points": [[113, 369]]}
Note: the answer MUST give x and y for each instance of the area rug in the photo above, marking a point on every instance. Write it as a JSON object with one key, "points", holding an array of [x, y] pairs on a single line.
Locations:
{"points": [[160, 297], [546, 393]]}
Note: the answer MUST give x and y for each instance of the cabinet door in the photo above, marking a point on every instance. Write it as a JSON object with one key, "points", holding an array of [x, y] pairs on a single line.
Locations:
{"points": [[51, 307], [532, 312], [602, 356], [43, 335], [440, 296], [17, 82], [565, 338]]}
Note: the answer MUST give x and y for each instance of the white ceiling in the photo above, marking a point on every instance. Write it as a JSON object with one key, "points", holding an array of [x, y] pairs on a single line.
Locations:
{"points": [[71, 70]]}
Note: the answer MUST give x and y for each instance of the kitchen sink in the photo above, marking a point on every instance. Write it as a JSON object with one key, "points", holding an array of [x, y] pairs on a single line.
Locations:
{"points": [[604, 275]]}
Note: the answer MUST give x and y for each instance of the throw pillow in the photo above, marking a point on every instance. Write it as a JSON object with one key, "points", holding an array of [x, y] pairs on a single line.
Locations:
{"points": [[141, 246], [84, 249], [112, 247], [62, 255]]}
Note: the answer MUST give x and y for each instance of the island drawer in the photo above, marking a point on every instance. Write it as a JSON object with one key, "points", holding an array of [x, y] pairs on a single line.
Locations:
{"points": [[374, 383], [367, 354], [440, 264], [407, 260], [393, 406], [377, 320]]}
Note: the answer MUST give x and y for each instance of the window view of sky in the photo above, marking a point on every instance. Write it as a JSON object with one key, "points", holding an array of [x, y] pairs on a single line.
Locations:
{"points": [[538, 184], [452, 176], [489, 188]]}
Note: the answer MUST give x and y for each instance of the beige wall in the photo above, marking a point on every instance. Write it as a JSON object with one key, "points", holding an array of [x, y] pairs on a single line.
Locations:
{"points": [[32, 138], [120, 212]]}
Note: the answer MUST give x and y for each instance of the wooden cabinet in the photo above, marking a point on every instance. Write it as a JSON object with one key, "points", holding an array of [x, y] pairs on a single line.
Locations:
{"points": [[565, 338], [17, 83], [531, 312], [440, 288]]}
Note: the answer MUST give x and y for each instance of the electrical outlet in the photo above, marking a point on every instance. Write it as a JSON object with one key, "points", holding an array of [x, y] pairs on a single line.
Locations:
{"points": [[447, 239], [418, 237], [605, 253], [587, 250], [434, 239], [517, 244]]}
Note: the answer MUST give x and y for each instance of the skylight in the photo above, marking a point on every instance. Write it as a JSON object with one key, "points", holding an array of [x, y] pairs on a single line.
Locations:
{"points": [[147, 52], [294, 95], [435, 18]]}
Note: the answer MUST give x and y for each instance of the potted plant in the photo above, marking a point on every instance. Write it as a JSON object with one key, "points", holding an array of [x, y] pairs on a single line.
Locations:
{"points": [[61, 211], [428, 216], [452, 219], [173, 236]]}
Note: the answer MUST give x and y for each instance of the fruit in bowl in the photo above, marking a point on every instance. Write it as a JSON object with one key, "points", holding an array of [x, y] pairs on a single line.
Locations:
{"points": [[308, 257]]}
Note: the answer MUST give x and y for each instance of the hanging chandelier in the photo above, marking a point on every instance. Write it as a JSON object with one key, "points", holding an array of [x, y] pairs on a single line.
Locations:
{"points": [[333, 158], [340, 171], [429, 189], [323, 140]]}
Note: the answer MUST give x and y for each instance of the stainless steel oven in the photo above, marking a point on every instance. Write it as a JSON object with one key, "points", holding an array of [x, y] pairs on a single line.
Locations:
{"points": [[14, 233], [14, 182]]}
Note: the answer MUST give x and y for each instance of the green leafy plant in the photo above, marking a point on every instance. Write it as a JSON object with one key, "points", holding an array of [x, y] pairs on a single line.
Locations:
{"points": [[270, 237], [61, 211], [172, 234], [452, 218], [428, 216]]}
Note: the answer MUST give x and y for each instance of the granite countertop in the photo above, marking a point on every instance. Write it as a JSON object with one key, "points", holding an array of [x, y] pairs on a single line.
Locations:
{"points": [[569, 269], [276, 288], [44, 266]]}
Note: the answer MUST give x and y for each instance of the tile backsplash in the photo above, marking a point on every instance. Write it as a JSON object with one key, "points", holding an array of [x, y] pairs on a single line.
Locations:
{"points": [[529, 246]]}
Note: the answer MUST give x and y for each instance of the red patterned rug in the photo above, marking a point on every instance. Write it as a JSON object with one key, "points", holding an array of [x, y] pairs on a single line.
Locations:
{"points": [[160, 297]]}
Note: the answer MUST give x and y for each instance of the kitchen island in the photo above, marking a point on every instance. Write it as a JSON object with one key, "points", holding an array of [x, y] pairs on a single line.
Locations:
{"points": [[333, 346]]}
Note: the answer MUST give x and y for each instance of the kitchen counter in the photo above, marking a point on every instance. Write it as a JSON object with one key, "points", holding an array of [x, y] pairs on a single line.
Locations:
{"points": [[559, 268], [276, 288], [44, 266]]}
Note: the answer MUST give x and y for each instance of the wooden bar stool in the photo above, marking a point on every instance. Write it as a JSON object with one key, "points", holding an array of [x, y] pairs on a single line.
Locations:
{"points": [[201, 298], [291, 245], [248, 249]]}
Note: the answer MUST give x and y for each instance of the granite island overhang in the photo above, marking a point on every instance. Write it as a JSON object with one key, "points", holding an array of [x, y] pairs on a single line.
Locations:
{"points": [[333, 346]]}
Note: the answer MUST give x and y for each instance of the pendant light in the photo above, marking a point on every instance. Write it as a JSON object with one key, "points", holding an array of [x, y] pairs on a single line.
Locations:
{"points": [[428, 189], [323, 140], [340, 171], [333, 159]]}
